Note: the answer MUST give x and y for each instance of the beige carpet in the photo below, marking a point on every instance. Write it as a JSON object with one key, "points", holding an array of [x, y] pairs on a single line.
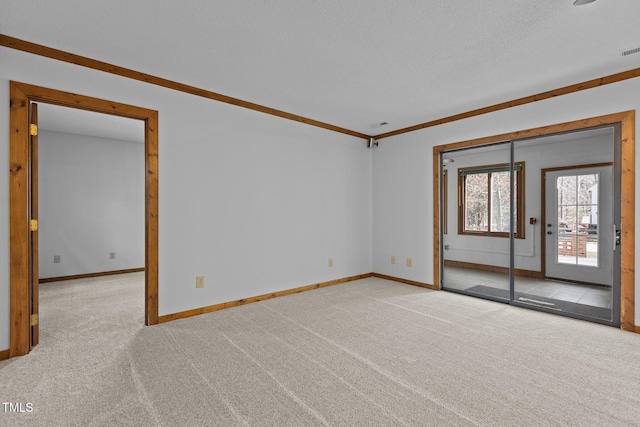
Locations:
{"points": [[370, 353]]}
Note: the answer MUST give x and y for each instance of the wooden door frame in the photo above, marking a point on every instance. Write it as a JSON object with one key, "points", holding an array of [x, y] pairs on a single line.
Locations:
{"points": [[626, 120], [21, 95], [34, 286]]}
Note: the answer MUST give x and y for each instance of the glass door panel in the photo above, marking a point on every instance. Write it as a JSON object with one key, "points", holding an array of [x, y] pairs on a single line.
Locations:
{"points": [[476, 221], [565, 263], [575, 198], [532, 223]]}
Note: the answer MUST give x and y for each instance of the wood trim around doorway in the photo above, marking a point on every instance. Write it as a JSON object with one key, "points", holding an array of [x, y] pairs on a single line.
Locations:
{"points": [[21, 95], [626, 120]]}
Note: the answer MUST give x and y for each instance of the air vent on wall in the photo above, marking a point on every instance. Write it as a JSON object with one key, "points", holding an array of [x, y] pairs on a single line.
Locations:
{"points": [[630, 51]]}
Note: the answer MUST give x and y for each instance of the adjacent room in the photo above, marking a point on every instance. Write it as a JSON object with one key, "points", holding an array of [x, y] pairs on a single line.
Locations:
{"points": [[319, 213], [562, 232]]}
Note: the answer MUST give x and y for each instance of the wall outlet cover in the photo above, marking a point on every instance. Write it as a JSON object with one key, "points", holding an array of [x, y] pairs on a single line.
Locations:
{"points": [[199, 281]]}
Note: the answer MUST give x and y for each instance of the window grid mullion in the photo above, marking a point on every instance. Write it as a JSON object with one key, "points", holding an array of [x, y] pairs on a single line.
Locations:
{"points": [[489, 203]]}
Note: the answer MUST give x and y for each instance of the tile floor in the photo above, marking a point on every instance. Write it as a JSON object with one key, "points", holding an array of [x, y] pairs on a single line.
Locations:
{"points": [[464, 278]]}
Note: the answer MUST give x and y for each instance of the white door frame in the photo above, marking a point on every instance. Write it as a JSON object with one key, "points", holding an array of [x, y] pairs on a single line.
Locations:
{"points": [[602, 273]]}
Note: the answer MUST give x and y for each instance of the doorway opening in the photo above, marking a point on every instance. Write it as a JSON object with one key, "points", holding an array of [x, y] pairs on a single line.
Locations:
{"points": [[23, 223], [545, 219], [90, 212]]}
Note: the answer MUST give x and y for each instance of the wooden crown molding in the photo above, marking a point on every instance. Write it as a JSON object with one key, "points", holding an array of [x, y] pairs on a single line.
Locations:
{"points": [[41, 50], [59, 55], [613, 78]]}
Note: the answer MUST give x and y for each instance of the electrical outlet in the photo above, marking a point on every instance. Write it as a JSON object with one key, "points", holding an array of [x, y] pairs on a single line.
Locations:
{"points": [[112, 255], [56, 259], [330, 262], [199, 281], [393, 260], [409, 262]]}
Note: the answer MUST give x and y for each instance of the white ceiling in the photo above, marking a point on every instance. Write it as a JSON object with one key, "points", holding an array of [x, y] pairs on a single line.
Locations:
{"points": [[350, 63]]}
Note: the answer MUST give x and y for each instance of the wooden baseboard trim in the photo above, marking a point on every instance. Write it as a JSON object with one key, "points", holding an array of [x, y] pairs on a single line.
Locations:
{"points": [[4, 354], [89, 275], [209, 309], [405, 281], [493, 269]]}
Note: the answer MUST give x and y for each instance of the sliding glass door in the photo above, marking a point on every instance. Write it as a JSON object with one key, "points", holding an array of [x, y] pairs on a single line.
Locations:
{"points": [[575, 271], [536, 223], [478, 220]]}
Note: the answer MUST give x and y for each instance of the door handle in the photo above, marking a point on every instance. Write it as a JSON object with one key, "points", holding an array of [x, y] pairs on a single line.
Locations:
{"points": [[616, 237], [549, 232]]}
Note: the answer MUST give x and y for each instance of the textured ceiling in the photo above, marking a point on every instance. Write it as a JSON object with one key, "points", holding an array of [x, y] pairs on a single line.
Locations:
{"points": [[349, 63]]}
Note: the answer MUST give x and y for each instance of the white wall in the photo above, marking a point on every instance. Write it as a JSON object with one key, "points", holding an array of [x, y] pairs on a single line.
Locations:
{"points": [[91, 203], [257, 203], [402, 171], [253, 202]]}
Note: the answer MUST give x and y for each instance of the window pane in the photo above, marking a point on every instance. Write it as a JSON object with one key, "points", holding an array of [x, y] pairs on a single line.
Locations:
{"points": [[588, 227], [567, 190], [586, 185], [516, 214], [500, 201], [577, 200], [567, 215], [476, 202]]}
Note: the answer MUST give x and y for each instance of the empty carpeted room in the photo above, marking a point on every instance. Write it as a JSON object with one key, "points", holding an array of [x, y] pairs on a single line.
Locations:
{"points": [[319, 213]]}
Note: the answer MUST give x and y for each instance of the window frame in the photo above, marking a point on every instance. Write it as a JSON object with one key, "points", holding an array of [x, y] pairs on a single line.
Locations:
{"points": [[519, 199], [445, 201]]}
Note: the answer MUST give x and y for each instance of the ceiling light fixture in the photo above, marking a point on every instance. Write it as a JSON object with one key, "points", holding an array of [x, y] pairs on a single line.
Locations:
{"points": [[581, 2]]}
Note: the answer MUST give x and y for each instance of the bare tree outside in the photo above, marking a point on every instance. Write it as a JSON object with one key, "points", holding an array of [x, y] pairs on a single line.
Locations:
{"points": [[487, 201], [476, 202], [577, 198]]}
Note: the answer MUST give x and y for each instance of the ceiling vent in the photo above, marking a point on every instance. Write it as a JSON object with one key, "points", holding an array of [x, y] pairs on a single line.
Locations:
{"points": [[630, 51], [377, 125]]}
